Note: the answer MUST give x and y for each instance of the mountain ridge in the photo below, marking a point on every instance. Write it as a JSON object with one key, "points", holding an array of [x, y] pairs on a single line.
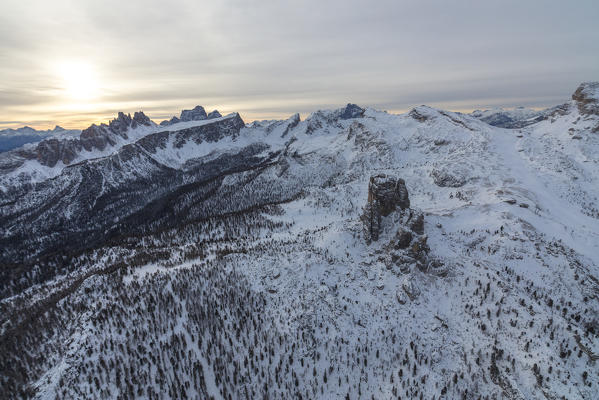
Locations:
{"points": [[352, 253]]}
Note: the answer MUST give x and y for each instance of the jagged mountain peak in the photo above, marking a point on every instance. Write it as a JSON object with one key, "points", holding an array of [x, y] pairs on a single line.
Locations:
{"points": [[124, 122], [352, 111], [198, 113]]}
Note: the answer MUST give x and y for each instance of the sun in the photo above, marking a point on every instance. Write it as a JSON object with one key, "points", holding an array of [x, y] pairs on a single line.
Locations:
{"points": [[79, 80]]}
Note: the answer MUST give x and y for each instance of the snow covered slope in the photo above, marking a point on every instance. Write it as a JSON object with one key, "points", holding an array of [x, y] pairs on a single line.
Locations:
{"points": [[217, 259]]}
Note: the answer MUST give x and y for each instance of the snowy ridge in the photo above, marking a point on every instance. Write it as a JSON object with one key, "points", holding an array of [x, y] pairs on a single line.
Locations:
{"points": [[32, 171]]}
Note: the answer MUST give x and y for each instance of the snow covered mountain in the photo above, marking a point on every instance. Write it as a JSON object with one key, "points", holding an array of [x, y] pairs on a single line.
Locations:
{"points": [[514, 118], [13, 138], [354, 254]]}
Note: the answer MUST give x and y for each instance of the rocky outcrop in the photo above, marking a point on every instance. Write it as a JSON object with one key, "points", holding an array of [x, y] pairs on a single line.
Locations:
{"points": [[388, 193], [587, 98], [388, 206], [124, 122], [445, 178], [418, 115], [352, 111], [171, 121], [385, 195], [213, 114], [196, 114]]}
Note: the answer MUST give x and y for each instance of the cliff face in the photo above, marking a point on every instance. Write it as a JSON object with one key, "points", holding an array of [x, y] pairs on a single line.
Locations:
{"points": [[587, 98]]}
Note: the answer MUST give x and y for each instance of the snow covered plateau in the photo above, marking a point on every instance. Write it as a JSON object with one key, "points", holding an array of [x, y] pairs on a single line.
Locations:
{"points": [[355, 254]]}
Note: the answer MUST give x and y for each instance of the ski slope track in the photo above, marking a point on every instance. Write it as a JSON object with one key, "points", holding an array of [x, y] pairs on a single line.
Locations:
{"points": [[209, 258]]}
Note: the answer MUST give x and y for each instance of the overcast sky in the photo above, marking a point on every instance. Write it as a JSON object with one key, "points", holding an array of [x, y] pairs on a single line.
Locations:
{"points": [[77, 62]]}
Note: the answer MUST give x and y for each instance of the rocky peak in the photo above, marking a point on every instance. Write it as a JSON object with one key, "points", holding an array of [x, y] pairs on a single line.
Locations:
{"points": [[141, 119], [385, 194], [352, 111], [587, 98], [197, 114], [168, 122], [214, 114], [121, 123], [408, 246]]}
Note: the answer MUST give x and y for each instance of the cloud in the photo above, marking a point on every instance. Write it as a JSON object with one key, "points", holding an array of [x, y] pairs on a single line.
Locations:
{"points": [[271, 58]]}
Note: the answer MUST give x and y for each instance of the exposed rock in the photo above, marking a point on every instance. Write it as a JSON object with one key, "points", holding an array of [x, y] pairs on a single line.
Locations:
{"points": [[408, 248], [403, 238], [168, 122], [51, 151], [206, 133], [95, 137], [120, 124], [444, 178], [214, 114], [518, 117], [371, 219], [418, 116], [293, 122], [197, 114], [388, 193], [416, 222], [141, 119], [419, 249], [352, 111], [587, 98], [409, 288], [326, 118], [385, 194]]}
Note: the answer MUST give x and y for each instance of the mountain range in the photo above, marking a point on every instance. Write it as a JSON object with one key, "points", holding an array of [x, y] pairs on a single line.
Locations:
{"points": [[352, 254]]}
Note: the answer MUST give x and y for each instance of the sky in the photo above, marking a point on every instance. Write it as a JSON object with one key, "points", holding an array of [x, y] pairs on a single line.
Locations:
{"points": [[74, 63]]}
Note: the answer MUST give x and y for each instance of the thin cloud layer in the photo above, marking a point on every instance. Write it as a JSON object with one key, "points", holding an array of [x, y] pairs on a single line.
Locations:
{"points": [[268, 59]]}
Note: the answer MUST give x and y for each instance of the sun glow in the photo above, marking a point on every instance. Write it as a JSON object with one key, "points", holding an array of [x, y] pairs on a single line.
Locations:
{"points": [[79, 80]]}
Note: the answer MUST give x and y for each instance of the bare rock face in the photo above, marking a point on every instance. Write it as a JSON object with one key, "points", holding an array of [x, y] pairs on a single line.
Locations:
{"points": [[213, 114], [197, 114], [388, 193], [445, 178], [352, 111], [171, 121], [385, 195], [371, 219], [587, 98], [388, 198], [403, 238]]}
